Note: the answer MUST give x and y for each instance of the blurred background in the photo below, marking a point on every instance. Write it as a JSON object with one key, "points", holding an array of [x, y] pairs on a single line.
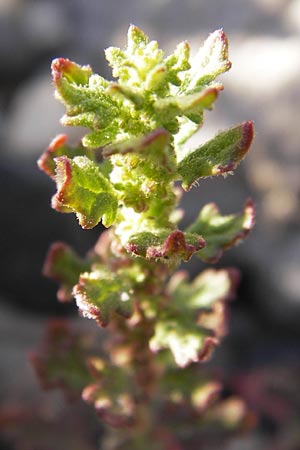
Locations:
{"points": [[263, 85]]}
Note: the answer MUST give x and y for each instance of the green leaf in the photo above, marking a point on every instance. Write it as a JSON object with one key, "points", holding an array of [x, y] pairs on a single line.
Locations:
{"points": [[154, 142], [191, 325], [222, 232], [178, 62], [123, 92], [187, 341], [84, 95], [69, 70], [193, 104], [64, 266], [210, 61], [137, 40], [83, 189], [205, 290], [166, 245], [220, 155], [135, 64], [99, 138], [101, 292]]}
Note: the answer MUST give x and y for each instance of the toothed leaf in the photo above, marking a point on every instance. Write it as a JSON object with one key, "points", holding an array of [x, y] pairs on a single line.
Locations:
{"points": [[85, 97], [64, 69], [210, 61], [83, 189], [190, 105], [188, 337], [206, 289], [222, 232], [135, 64], [187, 341], [100, 293], [178, 62], [167, 245]]}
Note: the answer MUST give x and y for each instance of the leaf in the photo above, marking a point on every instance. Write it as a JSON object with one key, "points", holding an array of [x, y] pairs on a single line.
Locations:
{"points": [[100, 293], [167, 245], [178, 62], [99, 138], [64, 266], [187, 341], [220, 155], [210, 61], [85, 97], [60, 362], [83, 189], [191, 325], [205, 290], [135, 64], [173, 106], [152, 143], [121, 91], [222, 232], [69, 70], [58, 147]]}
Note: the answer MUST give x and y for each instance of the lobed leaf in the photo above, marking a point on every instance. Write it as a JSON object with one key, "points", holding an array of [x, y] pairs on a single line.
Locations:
{"points": [[83, 189], [178, 62], [205, 290], [122, 92], [191, 325], [101, 293], [210, 61], [167, 245], [99, 138], [87, 102], [74, 73], [154, 142], [220, 155], [222, 232], [187, 341], [134, 66], [189, 105]]}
